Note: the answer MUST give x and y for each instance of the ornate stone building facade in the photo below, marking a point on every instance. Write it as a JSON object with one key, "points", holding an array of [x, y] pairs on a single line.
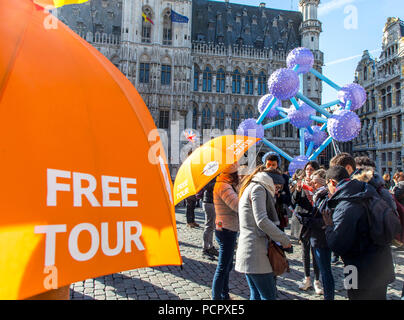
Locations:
{"points": [[382, 137], [208, 73]]}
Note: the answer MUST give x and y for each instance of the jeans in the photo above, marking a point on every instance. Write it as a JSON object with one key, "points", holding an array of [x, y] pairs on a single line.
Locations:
{"points": [[262, 286], [227, 243], [306, 249], [190, 213], [210, 216], [323, 258]]}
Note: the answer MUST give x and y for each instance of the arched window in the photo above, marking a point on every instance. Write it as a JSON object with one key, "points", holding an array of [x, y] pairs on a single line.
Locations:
{"points": [[146, 25], [236, 81], [196, 78], [194, 117], [206, 118], [220, 118], [220, 80], [262, 84], [207, 80], [365, 73], [167, 28], [248, 113], [235, 118], [249, 83]]}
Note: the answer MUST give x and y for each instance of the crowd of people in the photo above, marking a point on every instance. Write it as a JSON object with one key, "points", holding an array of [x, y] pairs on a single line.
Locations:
{"points": [[329, 212]]}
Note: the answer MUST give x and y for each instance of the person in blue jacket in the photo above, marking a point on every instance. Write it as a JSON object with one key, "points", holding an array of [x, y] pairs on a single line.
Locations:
{"points": [[368, 267]]}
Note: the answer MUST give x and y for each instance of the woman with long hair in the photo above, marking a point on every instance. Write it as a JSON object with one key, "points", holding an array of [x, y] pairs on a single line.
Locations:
{"points": [[302, 200], [258, 221]]}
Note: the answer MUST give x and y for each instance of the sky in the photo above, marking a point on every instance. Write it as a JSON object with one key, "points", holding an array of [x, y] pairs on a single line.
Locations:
{"points": [[349, 28]]}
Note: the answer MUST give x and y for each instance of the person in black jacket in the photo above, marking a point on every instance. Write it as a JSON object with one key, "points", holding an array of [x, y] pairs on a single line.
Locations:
{"points": [[302, 201], [348, 235]]}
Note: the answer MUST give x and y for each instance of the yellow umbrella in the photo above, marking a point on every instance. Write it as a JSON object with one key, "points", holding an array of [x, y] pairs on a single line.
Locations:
{"points": [[206, 162]]}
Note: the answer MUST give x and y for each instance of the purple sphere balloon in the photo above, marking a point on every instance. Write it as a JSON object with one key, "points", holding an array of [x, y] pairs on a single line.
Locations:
{"points": [[264, 102], [301, 56], [353, 92], [301, 118], [318, 136], [344, 125], [283, 84], [297, 163], [250, 128]]}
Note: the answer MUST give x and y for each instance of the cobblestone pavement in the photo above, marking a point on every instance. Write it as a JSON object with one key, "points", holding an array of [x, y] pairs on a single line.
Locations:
{"points": [[194, 280]]}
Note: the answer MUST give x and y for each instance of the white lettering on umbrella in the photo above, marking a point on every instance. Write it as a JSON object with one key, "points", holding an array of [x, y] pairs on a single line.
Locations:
{"points": [[211, 168]]}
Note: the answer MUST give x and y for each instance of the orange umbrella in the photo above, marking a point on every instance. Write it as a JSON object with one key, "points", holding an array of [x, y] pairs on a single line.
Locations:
{"points": [[80, 196], [206, 162]]}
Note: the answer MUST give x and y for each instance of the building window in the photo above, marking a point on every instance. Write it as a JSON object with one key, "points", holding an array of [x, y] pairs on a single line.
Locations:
{"points": [[167, 29], [236, 82], [248, 113], [365, 73], [144, 72], [398, 94], [384, 129], [235, 118], [194, 118], [206, 118], [373, 101], [196, 78], [398, 126], [383, 99], [262, 84], [220, 80], [207, 80], [389, 100], [146, 26], [165, 74], [398, 158], [220, 118], [164, 119], [288, 130], [277, 130], [249, 83]]}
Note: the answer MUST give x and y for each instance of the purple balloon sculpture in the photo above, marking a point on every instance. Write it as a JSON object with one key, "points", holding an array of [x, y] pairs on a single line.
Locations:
{"points": [[297, 163], [249, 127], [301, 118], [344, 125], [283, 84], [353, 92], [318, 136], [264, 102], [301, 56]]}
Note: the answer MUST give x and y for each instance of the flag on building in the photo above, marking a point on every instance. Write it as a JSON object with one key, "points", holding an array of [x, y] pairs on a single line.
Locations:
{"points": [[146, 18], [176, 17], [57, 3]]}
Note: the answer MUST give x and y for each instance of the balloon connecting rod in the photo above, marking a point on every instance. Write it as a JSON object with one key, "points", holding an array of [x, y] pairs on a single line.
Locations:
{"points": [[320, 148], [310, 148], [323, 127], [325, 79], [276, 149], [283, 114], [293, 100], [348, 105], [330, 104], [276, 123], [281, 109], [313, 105], [302, 141], [310, 130], [318, 119], [266, 110], [295, 68]]}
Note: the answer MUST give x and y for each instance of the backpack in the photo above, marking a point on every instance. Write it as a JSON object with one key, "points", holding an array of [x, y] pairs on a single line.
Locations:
{"points": [[384, 225]]}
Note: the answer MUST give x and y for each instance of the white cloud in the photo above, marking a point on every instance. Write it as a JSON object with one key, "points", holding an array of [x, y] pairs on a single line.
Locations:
{"points": [[332, 5], [349, 58]]}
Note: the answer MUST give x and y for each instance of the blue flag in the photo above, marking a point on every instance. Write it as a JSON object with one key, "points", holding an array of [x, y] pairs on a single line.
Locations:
{"points": [[176, 17]]}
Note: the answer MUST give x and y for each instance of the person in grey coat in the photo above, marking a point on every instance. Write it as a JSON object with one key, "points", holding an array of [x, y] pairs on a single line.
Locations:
{"points": [[258, 220]]}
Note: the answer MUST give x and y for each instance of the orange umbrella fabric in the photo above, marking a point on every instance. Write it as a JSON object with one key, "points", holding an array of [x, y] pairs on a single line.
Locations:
{"points": [[206, 162], [57, 3], [80, 196]]}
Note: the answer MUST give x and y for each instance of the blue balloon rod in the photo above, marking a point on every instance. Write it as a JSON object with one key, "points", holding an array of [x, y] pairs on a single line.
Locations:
{"points": [[323, 127], [313, 105], [348, 105], [310, 148], [318, 119], [266, 110], [310, 130], [276, 149], [330, 104], [325, 79], [293, 100], [283, 114], [281, 109], [276, 123], [320, 148], [302, 141], [296, 67]]}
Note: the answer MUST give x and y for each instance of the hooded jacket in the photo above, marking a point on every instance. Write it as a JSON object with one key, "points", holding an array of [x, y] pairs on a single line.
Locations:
{"points": [[368, 175], [349, 236]]}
